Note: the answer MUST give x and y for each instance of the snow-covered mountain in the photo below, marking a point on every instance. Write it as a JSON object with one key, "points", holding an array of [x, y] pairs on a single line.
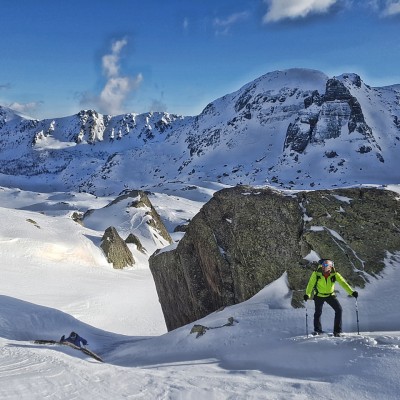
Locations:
{"points": [[295, 128]]}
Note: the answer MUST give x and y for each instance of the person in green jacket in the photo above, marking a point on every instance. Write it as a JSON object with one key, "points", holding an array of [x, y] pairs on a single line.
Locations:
{"points": [[322, 282]]}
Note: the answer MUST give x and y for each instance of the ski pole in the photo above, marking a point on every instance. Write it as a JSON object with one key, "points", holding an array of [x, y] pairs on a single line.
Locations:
{"points": [[358, 322], [306, 320]]}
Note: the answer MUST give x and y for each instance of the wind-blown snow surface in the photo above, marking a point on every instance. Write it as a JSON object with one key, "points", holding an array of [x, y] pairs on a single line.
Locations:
{"points": [[54, 279]]}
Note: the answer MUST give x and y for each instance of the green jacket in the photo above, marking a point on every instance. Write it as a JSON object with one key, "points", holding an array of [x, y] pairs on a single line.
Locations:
{"points": [[325, 287]]}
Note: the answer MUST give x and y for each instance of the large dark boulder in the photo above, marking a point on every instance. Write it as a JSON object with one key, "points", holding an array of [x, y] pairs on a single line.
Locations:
{"points": [[245, 238]]}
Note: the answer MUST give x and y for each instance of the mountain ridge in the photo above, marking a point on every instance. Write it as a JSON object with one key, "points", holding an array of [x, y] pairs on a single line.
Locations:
{"points": [[296, 128]]}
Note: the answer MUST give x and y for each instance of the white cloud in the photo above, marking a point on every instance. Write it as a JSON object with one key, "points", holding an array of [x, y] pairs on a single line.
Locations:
{"points": [[374, 4], [223, 25], [293, 9], [115, 91], [111, 61], [117, 88], [391, 8], [385, 8], [25, 108]]}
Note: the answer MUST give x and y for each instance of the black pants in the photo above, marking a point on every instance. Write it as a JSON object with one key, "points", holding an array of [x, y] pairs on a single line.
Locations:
{"points": [[334, 303]]}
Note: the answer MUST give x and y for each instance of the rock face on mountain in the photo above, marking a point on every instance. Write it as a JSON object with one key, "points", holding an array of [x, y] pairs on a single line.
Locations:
{"points": [[329, 115], [116, 250], [245, 238]]}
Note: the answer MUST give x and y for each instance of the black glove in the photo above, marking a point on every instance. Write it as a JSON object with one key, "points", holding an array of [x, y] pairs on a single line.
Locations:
{"points": [[355, 294], [306, 297]]}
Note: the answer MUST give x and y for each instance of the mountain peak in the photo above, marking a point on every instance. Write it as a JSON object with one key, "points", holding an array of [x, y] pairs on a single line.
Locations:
{"points": [[351, 78], [7, 114], [295, 77]]}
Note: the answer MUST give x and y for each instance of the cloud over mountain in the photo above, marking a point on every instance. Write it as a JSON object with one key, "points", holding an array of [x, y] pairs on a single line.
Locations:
{"points": [[117, 86], [26, 108]]}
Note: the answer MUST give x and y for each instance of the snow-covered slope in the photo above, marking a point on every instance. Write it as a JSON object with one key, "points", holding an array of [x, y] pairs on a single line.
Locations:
{"points": [[295, 128], [53, 282]]}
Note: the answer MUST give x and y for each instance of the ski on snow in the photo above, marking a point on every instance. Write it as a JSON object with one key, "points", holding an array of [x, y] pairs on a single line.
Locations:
{"points": [[64, 343]]}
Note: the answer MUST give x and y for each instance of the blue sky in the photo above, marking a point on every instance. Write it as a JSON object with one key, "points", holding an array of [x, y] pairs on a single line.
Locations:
{"points": [[115, 56]]}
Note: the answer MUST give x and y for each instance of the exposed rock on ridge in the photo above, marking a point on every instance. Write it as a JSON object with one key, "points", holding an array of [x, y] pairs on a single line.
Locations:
{"points": [[245, 238], [132, 204], [116, 250], [141, 200], [325, 117]]}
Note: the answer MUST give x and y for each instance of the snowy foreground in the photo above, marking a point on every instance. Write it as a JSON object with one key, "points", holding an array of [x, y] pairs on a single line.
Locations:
{"points": [[54, 279]]}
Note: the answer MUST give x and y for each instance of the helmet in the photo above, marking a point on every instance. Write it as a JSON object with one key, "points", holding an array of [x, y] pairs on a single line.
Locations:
{"points": [[73, 335], [327, 265]]}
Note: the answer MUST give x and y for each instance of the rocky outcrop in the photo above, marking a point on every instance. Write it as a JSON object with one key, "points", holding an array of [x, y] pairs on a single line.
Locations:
{"points": [[245, 238], [133, 202], [133, 239], [141, 200], [115, 249], [326, 116], [134, 217]]}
